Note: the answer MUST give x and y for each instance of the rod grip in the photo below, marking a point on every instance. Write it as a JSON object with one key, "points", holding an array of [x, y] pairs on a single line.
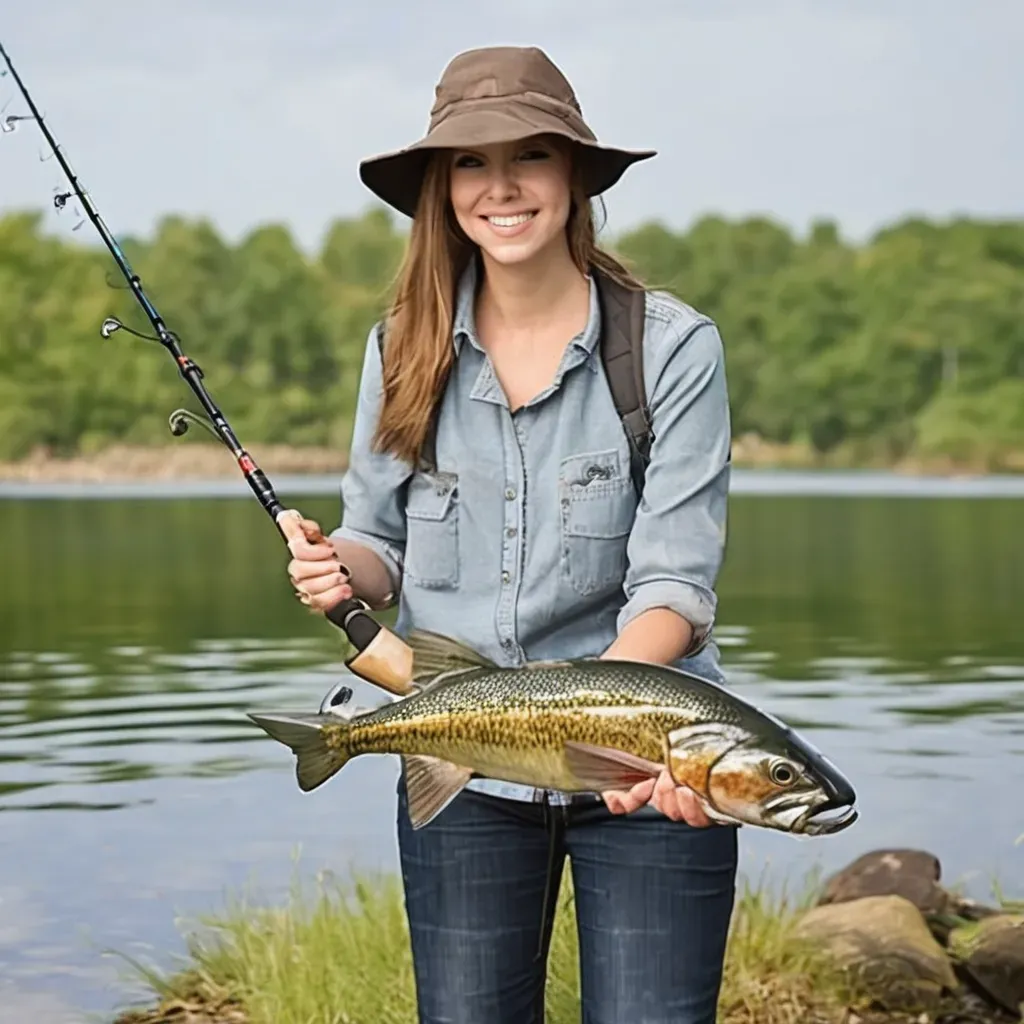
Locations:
{"points": [[381, 657]]}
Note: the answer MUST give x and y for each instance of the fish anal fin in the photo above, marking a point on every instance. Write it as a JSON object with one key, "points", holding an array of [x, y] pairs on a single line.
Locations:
{"points": [[431, 784], [434, 654], [603, 768]]}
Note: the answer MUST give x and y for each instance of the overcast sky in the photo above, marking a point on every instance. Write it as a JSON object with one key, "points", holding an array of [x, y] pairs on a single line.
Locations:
{"points": [[250, 111]]}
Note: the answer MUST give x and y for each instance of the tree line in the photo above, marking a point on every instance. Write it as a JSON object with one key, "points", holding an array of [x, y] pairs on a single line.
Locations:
{"points": [[909, 344]]}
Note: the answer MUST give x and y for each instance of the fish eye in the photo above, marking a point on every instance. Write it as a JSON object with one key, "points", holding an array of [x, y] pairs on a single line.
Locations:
{"points": [[782, 773]]}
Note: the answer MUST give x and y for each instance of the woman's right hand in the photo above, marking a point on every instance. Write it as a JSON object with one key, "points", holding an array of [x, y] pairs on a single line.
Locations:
{"points": [[319, 579]]}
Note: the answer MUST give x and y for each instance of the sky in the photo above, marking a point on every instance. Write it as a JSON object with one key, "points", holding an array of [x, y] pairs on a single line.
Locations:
{"points": [[251, 112]]}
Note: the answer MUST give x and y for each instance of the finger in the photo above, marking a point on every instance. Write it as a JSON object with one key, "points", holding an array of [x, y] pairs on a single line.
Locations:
{"points": [[317, 585], [663, 797], [312, 532], [620, 801], [289, 522], [303, 551], [642, 792], [665, 785], [689, 808], [304, 536], [682, 804], [667, 804], [295, 526], [613, 801], [327, 600], [300, 569]]}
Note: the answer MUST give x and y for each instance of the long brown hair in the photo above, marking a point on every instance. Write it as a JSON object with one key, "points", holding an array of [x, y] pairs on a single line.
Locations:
{"points": [[418, 351]]}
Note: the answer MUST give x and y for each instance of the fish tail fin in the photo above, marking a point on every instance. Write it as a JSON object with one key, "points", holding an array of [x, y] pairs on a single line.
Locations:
{"points": [[316, 760]]}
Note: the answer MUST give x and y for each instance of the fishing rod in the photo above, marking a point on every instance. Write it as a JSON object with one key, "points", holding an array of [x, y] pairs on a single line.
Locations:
{"points": [[381, 656]]}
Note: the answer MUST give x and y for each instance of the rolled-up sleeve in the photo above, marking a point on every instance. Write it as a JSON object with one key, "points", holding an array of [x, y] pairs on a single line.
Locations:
{"points": [[373, 486], [677, 542]]}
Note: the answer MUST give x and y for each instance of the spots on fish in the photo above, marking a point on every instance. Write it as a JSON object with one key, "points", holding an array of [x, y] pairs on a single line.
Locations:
{"points": [[337, 738], [522, 718], [519, 730]]}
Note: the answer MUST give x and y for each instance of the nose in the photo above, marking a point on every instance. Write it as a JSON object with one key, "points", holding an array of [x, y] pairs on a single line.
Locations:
{"points": [[501, 181]]}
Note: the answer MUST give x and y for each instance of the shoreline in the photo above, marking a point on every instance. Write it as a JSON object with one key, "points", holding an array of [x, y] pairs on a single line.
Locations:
{"points": [[882, 941], [192, 461]]}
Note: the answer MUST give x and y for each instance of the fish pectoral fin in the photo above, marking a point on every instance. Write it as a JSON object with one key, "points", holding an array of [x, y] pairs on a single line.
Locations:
{"points": [[602, 768], [434, 654], [431, 785]]}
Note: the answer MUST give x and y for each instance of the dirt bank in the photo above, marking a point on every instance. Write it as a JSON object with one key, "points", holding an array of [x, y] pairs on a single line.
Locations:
{"points": [[197, 460]]}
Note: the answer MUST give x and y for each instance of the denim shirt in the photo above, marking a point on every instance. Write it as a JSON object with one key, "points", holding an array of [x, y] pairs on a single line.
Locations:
{"points": [[529, 541]]}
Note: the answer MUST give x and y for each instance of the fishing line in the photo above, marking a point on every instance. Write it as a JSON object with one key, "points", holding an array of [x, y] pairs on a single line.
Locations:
{"points": [[351, 615]]}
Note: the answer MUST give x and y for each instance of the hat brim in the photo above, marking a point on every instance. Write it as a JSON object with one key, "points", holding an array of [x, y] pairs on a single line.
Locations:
{"points": [[396, 177]]}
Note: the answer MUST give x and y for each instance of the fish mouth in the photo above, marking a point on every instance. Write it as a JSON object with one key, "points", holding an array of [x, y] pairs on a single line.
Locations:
{"points": [[796, 814], [826, 820]]}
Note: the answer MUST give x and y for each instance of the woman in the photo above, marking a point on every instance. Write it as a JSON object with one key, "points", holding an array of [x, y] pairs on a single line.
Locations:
{"points": [[525, 538]]}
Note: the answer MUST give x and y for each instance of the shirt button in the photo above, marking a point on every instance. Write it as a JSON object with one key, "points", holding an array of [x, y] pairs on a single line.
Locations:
{"points": [[510, 493], [506, 576], [510, 531]]}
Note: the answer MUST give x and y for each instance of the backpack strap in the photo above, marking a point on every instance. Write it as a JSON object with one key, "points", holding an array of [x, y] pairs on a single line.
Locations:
{"points": [[622, 338]]}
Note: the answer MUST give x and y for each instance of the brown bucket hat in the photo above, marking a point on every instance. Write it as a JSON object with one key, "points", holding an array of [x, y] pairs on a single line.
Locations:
{"points": [[496, 94]]}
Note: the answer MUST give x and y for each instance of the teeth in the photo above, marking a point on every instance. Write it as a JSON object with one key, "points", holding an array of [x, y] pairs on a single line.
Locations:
{"points": [[510, 222]]}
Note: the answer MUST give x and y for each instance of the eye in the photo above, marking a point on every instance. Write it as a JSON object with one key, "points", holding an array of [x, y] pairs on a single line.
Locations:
{"points": [[782, 773], [467, 160]]}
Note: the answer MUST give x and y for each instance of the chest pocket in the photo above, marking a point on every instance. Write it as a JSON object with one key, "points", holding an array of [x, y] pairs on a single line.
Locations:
{"points": [[432, 530], [598, 507]]}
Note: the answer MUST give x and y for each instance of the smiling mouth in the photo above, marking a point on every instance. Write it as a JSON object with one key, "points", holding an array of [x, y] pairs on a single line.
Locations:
{"points": [[511, 221]]}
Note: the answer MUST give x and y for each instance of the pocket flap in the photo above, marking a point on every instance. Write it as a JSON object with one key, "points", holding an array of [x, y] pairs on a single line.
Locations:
{"points": [[579, 472], [430, 496], [597, 496]]}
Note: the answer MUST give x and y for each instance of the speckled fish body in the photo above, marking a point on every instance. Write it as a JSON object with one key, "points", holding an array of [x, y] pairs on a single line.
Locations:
{"points": [[515, 724], [585, 725]]}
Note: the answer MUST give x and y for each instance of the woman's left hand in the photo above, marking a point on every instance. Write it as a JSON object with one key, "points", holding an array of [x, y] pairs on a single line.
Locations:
{"points": [[679, 803]]}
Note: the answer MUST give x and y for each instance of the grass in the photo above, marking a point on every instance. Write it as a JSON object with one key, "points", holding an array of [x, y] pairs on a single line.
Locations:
{"points": [[340, 955]]}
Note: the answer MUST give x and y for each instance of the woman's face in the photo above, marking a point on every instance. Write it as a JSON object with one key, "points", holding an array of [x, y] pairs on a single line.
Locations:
{"points": [[512, 199]]}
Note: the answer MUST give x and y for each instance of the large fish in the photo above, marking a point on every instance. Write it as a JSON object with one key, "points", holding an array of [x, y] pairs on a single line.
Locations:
{"points": [[585, 725]]}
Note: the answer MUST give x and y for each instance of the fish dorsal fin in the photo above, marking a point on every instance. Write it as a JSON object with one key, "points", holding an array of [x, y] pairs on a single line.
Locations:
{"points": [[431, 785], [434, 654]]}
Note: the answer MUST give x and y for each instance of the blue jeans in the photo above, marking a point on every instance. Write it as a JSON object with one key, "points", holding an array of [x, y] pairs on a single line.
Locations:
{"points": [[653, 902]]}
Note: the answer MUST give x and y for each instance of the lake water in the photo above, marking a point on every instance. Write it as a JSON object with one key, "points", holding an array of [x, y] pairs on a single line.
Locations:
{"points": [[882, 617]]}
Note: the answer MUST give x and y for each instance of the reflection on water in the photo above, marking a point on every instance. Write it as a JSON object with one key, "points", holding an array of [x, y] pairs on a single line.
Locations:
{"points": [[135, 634]]}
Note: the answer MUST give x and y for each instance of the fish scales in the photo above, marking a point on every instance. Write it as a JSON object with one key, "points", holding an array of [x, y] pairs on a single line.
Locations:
{"points": [[502, 719], [587, 724]]}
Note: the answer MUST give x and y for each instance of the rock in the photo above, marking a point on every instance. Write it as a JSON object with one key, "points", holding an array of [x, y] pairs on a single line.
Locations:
{"points": [[912, 874], [884, 944], [960, 911], [991, 953]]}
